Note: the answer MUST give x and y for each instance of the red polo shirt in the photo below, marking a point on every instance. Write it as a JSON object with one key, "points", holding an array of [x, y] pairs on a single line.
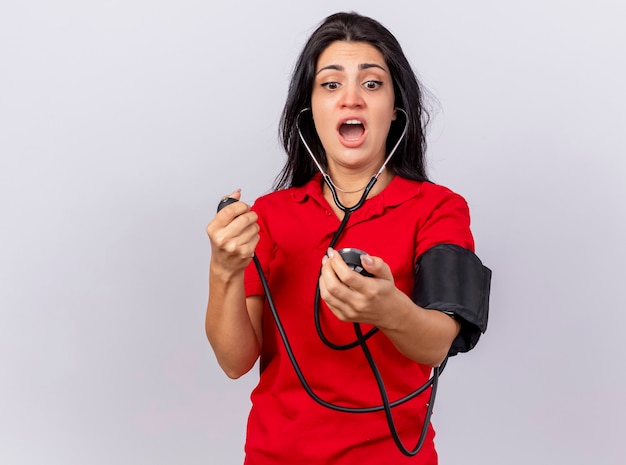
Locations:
{"points": [[285, 425]]}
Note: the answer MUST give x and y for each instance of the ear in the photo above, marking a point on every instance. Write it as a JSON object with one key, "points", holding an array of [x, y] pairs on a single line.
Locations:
{"points": [[395, 114]]}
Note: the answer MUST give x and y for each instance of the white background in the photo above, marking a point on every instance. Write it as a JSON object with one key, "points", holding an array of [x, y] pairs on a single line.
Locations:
{"points": [[122, 123]]}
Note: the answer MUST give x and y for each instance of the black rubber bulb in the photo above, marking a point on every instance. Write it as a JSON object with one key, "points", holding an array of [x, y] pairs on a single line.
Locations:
{"points": [[225, 201]]}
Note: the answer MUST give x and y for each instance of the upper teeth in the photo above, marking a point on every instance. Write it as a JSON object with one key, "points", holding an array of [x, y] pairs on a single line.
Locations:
{"points": [[353, 121]]}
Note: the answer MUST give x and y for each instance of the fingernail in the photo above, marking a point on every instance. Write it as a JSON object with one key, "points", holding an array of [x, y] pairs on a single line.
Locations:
{"points": [[330, 252], [367, 260], [324, 259]]}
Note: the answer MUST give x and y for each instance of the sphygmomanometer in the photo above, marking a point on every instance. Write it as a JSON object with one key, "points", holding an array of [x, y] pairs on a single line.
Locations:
{"points": [[448, 278]]}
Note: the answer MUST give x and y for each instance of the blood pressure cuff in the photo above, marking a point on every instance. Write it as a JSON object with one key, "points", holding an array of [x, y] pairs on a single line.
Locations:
{"points": [[453, 280]]}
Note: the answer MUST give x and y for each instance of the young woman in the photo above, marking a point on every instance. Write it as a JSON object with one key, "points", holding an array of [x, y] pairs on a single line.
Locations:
{"points": [[341, 352]]}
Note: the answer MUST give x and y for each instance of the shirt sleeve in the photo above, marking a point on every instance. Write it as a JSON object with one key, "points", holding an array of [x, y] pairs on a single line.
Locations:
{"points": [[448, 223], [452, 279]]}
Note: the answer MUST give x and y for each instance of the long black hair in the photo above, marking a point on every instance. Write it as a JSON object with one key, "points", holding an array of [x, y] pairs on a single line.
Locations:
{"points": [[409, 160]]}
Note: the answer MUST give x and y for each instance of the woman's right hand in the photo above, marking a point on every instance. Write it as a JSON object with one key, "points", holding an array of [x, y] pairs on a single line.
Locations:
{"points": [[234, 234], [233, 322]]}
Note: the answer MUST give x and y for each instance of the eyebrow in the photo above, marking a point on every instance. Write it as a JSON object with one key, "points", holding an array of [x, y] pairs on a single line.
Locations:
{"points": [[362, 66]]}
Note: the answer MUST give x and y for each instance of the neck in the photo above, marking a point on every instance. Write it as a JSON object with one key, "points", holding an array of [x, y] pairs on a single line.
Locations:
{"points": [[349, 189]]}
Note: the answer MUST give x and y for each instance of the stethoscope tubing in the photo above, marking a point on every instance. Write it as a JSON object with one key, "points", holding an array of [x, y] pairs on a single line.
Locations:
{"points": [[361, 339], [288, 349]]}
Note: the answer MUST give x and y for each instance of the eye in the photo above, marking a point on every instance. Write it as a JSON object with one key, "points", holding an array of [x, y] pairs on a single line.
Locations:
{"points": [[372, 85], [331, 85]]}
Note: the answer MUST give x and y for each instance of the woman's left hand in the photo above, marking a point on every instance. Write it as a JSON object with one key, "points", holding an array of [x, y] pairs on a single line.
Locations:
{"points": [[353, 297], [419, 334]]}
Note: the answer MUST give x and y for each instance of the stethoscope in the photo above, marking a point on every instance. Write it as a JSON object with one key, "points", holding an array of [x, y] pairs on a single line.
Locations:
{"points": [[333, 189], [361, 339]]}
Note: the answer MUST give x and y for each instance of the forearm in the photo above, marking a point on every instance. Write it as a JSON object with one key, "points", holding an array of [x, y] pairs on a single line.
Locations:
{"points": [[420, 334], [232, 333]]}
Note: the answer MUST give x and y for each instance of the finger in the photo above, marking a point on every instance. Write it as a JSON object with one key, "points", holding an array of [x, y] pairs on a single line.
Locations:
{"points": [[332, 289], [241, 223], [221, 231], [328, 280], [237, 249], [236, 194], [228, 200], [232, 199], [231, 211], [242, 246], [240, 231], [327, 293], [376, 266], [247, 240], [346, 274]]}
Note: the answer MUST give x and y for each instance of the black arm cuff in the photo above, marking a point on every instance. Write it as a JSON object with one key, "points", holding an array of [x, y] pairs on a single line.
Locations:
{"points": [[452, 279]]}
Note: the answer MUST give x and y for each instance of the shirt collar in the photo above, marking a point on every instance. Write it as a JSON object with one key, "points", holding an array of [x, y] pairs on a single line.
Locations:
{"points": [[313, 188], [397, 191]]}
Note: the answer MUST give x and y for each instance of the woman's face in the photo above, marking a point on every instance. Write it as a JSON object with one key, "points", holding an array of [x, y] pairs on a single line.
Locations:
{"points": [[353, 105]]}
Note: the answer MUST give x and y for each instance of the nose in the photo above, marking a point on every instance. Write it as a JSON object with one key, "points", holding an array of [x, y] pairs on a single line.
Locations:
{"points": [[351, 96]]}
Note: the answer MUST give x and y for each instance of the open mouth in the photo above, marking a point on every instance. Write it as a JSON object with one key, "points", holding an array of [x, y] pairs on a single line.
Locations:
{"points": [[351, 129]]}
